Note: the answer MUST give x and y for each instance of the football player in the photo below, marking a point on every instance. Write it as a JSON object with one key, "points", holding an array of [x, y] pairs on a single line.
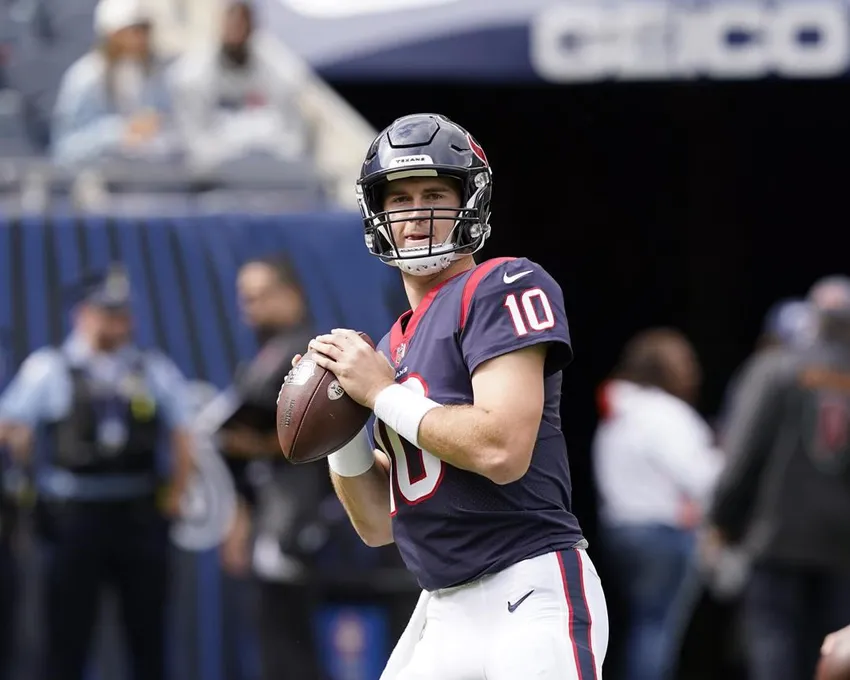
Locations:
{"points": [[469, 472]]}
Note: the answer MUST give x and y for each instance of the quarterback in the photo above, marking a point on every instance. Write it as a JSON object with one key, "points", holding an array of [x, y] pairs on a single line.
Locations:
{"points": [[464, 464]]}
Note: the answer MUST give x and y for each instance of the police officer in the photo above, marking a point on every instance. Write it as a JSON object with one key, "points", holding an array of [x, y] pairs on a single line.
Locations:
{"points": [[784, 499], [100, 405]]}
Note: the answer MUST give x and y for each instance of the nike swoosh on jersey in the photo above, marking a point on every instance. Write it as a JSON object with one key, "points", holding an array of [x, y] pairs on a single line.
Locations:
{"points": [[512, 607], [508, 278]]}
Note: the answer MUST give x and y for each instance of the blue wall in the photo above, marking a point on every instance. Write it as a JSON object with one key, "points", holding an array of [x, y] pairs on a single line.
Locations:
{"points": [[183, 275]]}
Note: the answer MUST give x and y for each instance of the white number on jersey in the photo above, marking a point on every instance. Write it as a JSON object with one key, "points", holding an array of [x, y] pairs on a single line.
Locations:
{"points": [[532, 311], [416, 473]]}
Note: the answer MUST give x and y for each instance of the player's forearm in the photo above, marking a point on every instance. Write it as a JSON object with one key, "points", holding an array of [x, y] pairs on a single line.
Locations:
{"points": [[474, 439], [366, 500], [469, 437]]}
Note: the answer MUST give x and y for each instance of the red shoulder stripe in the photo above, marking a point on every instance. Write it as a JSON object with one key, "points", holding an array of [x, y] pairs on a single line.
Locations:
{"points": [[472, 283]]}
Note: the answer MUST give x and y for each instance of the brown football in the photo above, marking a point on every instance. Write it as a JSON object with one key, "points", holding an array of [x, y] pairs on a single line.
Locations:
{"points": [[836, 664], [315, 417]]}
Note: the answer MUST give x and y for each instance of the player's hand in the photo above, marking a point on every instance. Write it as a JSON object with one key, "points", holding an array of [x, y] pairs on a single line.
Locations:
{"points": [[832, 639], [295, 360], [361, 371]]}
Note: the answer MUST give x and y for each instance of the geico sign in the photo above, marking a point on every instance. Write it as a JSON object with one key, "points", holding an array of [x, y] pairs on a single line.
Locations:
{"points": [[645, 40]]}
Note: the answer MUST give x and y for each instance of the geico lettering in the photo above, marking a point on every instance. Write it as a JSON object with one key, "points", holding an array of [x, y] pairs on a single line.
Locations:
{"points": [[335, 9], [648, 40]]}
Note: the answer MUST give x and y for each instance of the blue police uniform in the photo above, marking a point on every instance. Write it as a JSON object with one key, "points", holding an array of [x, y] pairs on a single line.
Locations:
{"points": [[100, 419]]}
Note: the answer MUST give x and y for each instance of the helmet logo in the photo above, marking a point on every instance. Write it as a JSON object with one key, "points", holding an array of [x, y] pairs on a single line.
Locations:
{"points": [[404, 131], [477, 150], [421, 159]]}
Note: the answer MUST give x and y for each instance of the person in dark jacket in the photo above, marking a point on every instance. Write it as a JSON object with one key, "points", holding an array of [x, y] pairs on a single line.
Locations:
{"points": [[278, 501], [784, 498], [788, 323]]}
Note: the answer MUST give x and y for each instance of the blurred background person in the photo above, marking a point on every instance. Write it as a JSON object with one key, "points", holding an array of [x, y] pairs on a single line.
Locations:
{"points": [[784, 498], [99, 407], [8, 575], [789, 323], [238, 99], [114, 101], [279, 502], [655, 465]]}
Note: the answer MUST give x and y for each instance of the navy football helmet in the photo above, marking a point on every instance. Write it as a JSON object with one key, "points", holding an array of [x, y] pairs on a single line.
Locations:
{"points": [[425, 145]]}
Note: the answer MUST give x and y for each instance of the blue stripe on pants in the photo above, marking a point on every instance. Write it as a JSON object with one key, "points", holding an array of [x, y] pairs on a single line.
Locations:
{"points": [[580, 622]]}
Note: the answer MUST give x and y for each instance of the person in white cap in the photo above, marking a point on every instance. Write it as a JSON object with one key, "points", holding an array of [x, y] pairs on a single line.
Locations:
{"points": [[114, 101], [237, 98]]}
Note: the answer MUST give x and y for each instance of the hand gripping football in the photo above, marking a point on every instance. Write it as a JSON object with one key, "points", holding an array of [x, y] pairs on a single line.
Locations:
{"points": [[315, 417]]}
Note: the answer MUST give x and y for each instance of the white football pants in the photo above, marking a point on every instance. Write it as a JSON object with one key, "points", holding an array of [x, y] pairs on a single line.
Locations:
{"points": [[541, 619]]}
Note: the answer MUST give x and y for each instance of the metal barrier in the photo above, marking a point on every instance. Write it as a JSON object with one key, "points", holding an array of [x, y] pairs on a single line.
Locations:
{"points": [[256, 183], [183, 276]]}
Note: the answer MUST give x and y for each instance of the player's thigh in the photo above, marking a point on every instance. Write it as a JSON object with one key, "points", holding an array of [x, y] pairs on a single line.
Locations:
{"points": [[540, 652], [441, 656], [559, 633], [546, 650]]}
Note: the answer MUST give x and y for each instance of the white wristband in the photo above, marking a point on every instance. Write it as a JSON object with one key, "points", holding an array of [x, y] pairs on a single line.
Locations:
{"points": [[402, 410], [353, 459]]}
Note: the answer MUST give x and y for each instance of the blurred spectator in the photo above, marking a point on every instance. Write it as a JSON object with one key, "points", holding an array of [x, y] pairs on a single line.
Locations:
{"points": [[114, 101], [784, 499], [655, 466], [8, 578], [100, 407], [237, 99], [280, 503], [5, 42], [788, 323]]}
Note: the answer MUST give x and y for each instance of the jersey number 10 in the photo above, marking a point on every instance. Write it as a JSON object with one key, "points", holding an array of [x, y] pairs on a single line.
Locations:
{"points": [[526, 315], [415, 473]]}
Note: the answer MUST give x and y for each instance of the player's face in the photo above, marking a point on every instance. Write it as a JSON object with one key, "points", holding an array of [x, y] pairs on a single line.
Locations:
{"points": [[416, 197]]}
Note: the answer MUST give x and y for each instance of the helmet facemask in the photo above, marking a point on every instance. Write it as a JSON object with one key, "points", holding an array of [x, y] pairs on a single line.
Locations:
{"points": [[468, 234]]}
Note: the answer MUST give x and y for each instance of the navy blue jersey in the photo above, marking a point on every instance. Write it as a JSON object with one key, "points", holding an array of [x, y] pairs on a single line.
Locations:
{"points": [[451, 525]]}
